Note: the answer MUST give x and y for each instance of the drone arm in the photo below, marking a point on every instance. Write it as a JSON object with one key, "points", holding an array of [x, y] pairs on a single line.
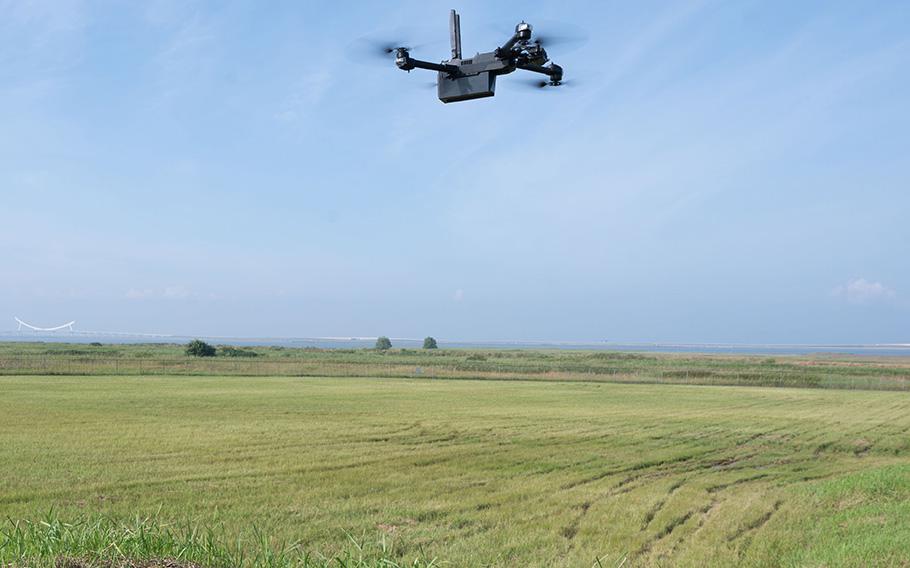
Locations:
{"points": [[553, 71], [507, 46], [450, 69], [405, 62], [522, 33]]}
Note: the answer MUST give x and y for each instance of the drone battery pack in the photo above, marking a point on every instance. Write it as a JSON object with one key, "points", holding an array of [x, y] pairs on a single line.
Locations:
{"points": [[452, 90]]}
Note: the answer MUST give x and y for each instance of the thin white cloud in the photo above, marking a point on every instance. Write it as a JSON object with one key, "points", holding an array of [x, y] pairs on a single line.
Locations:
{"points": [[189, 58], [862, 291], [458, 295], [167, 293], [137, 294], [39, 39], [44, 18], [168, 12], [309, 92], [176, 292]]}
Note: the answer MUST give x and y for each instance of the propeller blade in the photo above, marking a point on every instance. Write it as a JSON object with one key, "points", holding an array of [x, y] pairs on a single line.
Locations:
{"points": [[377, 49], [374, 48], [500, 32], [549, 40], [533, 84], [566, 36]]}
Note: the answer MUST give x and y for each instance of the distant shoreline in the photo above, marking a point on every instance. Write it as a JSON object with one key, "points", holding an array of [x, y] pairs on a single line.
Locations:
{"points": [[884, 349]]}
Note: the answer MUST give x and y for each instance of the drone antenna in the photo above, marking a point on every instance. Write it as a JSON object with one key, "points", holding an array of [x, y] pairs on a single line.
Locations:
{"points": [[455, 34]]}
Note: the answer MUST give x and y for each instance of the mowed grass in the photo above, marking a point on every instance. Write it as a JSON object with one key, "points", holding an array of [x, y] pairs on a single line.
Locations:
{"points": [[505, 473]]}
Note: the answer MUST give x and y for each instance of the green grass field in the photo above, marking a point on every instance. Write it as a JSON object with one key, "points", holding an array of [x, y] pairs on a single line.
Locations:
{"points": [[505, 473]]}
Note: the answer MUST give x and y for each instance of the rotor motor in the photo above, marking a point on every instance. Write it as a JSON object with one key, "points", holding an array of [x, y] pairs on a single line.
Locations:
{"points": [[403, 59], [523, 31], [556, 76]]}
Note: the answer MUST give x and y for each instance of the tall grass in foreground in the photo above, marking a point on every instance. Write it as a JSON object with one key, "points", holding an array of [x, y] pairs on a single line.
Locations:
{"points": [[105, 542]]}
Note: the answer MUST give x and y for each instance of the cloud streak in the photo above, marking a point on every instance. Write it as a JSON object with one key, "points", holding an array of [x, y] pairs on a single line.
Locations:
{"points": [[862, 291], [166, 293]]}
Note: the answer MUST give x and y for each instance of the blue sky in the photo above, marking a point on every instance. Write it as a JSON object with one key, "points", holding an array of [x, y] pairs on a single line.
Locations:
{"points": [[722, 171]]}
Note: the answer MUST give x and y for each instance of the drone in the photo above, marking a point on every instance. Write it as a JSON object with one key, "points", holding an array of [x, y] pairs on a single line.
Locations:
{"points": [[475, 78]]}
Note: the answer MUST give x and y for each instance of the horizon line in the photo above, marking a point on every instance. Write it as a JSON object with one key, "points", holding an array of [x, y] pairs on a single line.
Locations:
{"points": [[343, 338]]}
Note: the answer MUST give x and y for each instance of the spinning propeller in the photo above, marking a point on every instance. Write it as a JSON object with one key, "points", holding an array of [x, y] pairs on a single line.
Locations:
{"points": [[372, 49]]}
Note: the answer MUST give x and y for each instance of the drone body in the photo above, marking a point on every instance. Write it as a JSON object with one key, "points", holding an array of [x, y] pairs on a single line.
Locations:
{"points": [[466, 79]]}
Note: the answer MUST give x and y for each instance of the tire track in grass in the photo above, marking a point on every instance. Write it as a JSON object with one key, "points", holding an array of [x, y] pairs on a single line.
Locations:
{"points": [[570, 530], [740, 481], [719, 464], [715, 465], [109, 488], [638, 467], [703, 519], [703, 515], [624, 486], [662, 468], [652, 512], [670, 528], [748, 531], [665, 532]]}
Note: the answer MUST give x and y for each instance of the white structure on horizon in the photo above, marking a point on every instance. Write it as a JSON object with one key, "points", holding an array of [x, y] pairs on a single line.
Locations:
{"points": [[22, 324]]}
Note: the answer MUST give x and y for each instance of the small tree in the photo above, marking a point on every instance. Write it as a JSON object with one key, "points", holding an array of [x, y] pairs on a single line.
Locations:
{"points": [[429, 343], [383, 343], [199, 348]]}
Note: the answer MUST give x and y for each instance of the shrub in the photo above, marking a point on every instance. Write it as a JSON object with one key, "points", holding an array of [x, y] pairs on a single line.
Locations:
{"points": [[383, 343], [199, 348], [95, 344], [429, 343], [229, 351]]}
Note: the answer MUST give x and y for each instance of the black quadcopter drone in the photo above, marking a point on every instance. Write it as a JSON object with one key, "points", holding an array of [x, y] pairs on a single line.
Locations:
{"points": [[475, 78]]}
